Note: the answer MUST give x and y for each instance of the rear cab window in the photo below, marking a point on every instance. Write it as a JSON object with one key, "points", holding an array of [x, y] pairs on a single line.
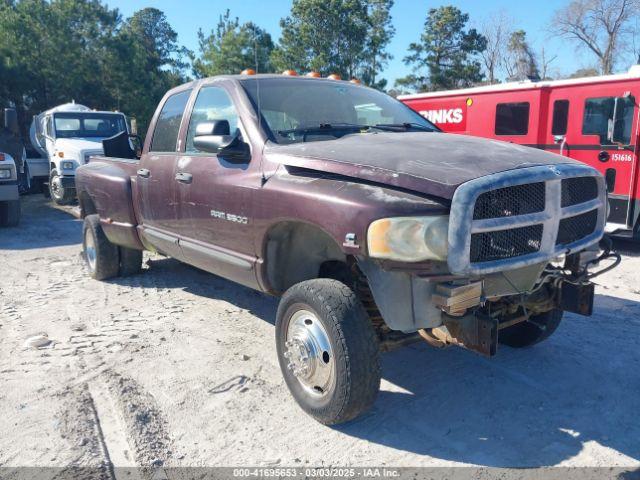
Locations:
{"points": [[165, 134], [512, 118]]}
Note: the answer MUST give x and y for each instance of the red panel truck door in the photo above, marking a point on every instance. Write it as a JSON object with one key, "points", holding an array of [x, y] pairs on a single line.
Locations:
{"points": [[602, 131]]}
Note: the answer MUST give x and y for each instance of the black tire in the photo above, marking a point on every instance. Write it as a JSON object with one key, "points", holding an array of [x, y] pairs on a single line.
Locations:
{"points": [[130, 261], [103, 261], [59, 194], [355, 357], [535, 330], [10, 213], [24, 181]]}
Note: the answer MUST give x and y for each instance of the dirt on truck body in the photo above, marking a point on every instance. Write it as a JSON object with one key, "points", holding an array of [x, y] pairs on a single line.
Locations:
{"points": [[374, 227]]}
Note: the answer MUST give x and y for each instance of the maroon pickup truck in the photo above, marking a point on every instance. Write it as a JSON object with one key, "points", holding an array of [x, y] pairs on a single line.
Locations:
{"points": [[374, 227]]}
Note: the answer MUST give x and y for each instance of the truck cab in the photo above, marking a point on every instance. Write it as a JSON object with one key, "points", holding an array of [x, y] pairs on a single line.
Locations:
{"points": [[67, 136]]}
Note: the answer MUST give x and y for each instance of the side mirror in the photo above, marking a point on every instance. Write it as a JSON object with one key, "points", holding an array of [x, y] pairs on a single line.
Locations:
{"points": [[215, 137], [11, 120]]}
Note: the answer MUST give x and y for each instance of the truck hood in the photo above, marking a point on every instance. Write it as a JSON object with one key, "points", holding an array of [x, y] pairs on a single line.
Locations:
{"points": [[430, 163], [75, 146]]}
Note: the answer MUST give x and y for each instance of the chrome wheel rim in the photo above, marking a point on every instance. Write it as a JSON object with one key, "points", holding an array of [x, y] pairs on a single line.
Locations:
{"points": [[309, 354], [90, 250], [57, 190]]}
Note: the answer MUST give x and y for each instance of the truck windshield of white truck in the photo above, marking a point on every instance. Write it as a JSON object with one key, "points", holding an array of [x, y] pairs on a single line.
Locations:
{"points": [[88, 125]]}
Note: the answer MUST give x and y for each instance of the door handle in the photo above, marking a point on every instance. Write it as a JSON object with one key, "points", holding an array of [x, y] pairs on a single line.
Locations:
{"points": [[184, 177], [144, 173]]}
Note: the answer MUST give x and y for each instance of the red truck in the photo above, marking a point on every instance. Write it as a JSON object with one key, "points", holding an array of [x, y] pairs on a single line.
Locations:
{"points": [[374, 227], [594, 120]]}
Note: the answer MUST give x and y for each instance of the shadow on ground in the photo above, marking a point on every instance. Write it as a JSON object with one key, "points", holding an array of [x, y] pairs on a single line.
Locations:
{"points": [[42, 225], [529, 407]]}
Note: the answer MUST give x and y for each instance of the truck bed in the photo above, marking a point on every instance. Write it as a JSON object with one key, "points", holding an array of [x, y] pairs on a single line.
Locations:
{"points": [[105, 187]]}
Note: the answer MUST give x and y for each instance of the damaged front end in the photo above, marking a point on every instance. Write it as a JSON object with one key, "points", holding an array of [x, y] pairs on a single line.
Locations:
{"points": [[520, 244], [473, 314]]}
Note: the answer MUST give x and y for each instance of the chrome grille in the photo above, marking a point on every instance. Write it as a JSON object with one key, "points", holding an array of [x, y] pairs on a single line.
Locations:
{"points": [[573, 229], [524, 216], [510, 201], [578, 190], [490, 246]]}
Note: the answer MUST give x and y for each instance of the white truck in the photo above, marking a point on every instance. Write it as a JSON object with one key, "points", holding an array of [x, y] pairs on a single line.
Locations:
{"points": [[66, 136], [9, 196]]}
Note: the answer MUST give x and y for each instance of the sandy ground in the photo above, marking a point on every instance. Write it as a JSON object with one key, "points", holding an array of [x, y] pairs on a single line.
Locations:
{"points": [[177, 367]]}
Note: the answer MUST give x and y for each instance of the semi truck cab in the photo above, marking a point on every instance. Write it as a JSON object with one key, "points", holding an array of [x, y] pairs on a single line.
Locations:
{"points": [[67, 136]]}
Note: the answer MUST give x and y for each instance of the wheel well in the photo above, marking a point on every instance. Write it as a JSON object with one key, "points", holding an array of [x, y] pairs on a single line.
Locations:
{"points": [[296, 252], [87, 206]]}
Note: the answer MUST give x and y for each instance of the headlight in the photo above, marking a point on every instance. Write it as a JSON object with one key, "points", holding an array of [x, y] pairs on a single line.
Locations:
{"points": [[68, 165], [409, 239], [5, 173]]}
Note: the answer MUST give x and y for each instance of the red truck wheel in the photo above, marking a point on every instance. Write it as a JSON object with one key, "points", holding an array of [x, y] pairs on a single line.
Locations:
{"points": [[328, 350], [102, 256]]}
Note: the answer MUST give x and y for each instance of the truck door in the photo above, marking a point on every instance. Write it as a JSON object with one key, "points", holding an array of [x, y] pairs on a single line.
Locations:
{"points": [[607, 141], [156, 186], [215, 196]]}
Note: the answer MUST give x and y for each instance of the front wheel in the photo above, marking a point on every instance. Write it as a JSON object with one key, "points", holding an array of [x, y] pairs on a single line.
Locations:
{"points": [[328, 350], [59, 194], [535, 330]]}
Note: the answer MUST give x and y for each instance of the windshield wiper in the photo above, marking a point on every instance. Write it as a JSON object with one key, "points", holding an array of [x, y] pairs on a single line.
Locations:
{"points": [[323, 127], [406, 126]]}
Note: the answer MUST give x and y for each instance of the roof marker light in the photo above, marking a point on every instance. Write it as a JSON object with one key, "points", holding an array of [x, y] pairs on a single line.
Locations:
{"points": [[248, 71], [290, 73], [313, 74], [334, 76]]}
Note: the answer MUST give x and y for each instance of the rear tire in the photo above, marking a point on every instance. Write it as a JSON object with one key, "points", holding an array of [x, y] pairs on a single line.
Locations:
{"points": [[102, 256], [10, 213], [328, 350], [535, 330], [59, 194], [130, 261]]}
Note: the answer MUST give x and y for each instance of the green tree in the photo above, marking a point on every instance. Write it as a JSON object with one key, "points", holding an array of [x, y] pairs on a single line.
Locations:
{"points": [[232, 47], [520, 62], [379, 34], [328, 36], [145, 61], [447, 55]]}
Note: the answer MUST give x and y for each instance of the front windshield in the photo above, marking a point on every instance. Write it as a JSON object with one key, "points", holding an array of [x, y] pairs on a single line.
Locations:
{"points": [[304, 110], [88, 125]]}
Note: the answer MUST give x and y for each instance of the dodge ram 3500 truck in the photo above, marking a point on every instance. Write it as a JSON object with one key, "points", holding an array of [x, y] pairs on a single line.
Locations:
{"points": [[374, 227]]}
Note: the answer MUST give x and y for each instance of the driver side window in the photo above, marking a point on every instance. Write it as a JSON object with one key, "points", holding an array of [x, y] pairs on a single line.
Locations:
{"points": [[212, 103]]}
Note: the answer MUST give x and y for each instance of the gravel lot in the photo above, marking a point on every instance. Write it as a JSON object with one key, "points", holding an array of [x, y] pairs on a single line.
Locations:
{"points": [[177, 367]]}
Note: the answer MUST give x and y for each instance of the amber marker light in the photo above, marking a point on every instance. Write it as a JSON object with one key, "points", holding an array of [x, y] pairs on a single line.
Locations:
{"points": [[313, 75], [355, 81], [469, 102], [290, 73], [248, 71], [334, 76]]}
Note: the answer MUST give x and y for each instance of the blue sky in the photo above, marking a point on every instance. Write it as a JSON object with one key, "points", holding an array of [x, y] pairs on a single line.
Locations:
{"points": [[186, 16]]}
